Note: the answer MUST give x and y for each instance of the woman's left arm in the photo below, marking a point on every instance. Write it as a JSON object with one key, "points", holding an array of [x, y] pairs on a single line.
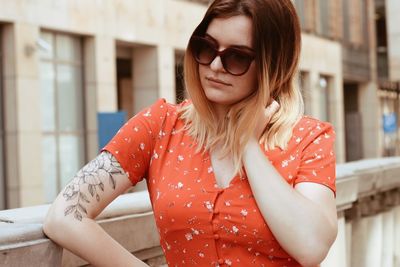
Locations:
{"points": [[303, 219]]}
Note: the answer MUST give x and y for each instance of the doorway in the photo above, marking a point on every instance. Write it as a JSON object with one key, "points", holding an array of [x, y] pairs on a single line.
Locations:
{"points": [[353, 123]]}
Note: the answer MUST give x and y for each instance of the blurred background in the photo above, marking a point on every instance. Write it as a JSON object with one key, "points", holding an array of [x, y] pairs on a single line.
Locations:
{"points": [[73, 71]]}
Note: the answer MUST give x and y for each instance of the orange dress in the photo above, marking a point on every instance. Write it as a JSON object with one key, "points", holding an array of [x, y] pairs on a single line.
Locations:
{"points": [[199, 223]]}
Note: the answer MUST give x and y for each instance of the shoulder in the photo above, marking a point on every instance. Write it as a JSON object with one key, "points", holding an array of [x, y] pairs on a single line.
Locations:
{"points": [[309, 129], [160, 111], [161, 105], [308, 125]]}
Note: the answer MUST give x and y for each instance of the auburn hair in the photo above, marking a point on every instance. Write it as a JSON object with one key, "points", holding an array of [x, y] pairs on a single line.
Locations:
{"points": [[277, 44]]}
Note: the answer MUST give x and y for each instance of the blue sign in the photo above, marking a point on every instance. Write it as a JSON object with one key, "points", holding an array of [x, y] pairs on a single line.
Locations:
{"points": [[108, 125], [389, 123]]}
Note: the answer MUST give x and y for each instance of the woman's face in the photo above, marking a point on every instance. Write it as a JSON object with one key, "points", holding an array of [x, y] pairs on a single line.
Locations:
{"points": [[221, 87]]}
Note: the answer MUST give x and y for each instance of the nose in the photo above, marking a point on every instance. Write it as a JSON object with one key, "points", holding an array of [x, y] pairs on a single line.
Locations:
{"points": [[216, 65]]}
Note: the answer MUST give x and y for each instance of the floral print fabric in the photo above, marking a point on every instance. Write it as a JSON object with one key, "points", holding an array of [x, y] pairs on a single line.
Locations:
{"points": [[199, 223]]}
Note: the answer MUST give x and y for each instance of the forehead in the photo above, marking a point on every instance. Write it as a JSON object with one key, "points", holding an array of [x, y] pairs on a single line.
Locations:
{"points": [[237, 30]]}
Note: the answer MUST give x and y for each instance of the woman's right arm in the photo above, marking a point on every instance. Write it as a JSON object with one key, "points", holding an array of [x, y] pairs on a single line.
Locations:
{"points": [[70, 221]]}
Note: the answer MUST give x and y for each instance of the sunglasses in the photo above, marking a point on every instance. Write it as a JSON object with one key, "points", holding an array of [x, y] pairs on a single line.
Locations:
{"points": [[234, 60]]}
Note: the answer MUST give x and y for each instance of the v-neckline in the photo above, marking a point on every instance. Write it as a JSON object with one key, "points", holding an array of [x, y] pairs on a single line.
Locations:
{"points": [[214, 178]]}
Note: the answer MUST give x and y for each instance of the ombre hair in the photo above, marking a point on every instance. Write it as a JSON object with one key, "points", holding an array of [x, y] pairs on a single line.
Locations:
{"points": [[277, 42]]}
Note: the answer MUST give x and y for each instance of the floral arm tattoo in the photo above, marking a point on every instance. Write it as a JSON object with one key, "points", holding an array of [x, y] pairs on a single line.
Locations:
{"points": [[93, 176]]}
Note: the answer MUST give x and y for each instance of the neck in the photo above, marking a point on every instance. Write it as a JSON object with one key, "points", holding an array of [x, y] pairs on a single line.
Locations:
{"points": [[220, 111]]}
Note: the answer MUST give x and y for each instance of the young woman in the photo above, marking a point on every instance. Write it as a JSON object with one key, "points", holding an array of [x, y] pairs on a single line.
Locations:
{"points": [[237, 176]]}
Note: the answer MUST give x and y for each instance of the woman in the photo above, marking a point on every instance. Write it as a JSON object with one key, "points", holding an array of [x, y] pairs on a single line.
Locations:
{"points": [[236, 176]]}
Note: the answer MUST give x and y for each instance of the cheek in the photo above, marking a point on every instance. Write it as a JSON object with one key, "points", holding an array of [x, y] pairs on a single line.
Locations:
{"points": [[202, 70], [248, 81]]}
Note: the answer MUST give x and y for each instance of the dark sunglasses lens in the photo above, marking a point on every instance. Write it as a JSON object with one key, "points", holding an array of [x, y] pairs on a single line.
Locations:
{"points": [[203, 50], [236, 62]]}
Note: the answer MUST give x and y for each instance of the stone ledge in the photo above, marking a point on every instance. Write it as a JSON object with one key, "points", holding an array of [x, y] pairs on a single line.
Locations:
{"points": [[22, 242], [373, 175], [21, 229], [132, 203], [346, 192], [12, 233], [140, 235], [40, 252]]}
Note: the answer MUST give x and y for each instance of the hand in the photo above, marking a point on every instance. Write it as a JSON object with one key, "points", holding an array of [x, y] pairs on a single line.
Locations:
{"points": [[265, 119]]}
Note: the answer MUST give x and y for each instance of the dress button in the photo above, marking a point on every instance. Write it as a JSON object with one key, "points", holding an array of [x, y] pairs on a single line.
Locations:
{"points": [[216, 236], [216, 211], [220, 261]]}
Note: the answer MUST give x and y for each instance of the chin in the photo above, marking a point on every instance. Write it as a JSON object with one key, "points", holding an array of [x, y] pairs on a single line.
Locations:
{"points": [[219, 97]]}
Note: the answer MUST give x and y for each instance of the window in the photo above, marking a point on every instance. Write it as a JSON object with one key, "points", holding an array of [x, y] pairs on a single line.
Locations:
{"points": [[124, 81], [346, 21], [324, 18], [306, 91], [353, 21], [179, 80], [300, 8], [324, 83], [63, 144], [381, 43], [2, 176], [306, 11]]}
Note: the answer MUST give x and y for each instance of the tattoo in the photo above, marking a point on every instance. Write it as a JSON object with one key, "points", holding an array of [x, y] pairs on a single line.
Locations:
{"points": [[103, 167]]}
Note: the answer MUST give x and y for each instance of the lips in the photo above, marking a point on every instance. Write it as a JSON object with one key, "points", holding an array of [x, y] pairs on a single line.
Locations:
{"points": [[217, 81]]}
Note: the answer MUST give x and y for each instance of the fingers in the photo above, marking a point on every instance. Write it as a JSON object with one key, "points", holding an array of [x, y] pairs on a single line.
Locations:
{"points": [[272, 108]]}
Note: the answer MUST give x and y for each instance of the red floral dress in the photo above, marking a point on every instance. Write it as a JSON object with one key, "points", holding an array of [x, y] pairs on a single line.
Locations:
{"points": [[199, 223]]}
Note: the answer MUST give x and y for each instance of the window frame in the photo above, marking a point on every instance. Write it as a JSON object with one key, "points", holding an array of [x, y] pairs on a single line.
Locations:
{"points": [[324, 106], [3, 181], [306, 91], [300, 6], [324, 18], [56, 132]]}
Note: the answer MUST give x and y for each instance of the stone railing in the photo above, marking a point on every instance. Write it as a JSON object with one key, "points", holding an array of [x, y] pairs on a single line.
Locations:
{"points": [[368, 204], [128, 219]]}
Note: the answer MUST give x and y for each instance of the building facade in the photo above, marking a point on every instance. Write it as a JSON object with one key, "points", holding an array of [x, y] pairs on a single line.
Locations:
{"points": [[368, 33], [388, 72], [62, 62]]}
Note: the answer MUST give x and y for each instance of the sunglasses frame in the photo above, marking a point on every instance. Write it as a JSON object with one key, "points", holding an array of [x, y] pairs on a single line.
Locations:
{"points": [[221, 54]]}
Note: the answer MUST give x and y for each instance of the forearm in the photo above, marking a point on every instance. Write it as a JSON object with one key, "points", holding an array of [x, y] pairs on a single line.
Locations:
{"points": [[299, 224], [89, 241]]}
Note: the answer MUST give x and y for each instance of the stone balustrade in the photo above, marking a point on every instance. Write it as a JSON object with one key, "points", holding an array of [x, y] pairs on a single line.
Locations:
{"points": [[368, 204]]}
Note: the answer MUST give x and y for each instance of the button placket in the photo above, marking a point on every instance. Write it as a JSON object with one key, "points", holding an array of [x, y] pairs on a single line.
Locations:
{"points": [[215, 215], [215, 223]]}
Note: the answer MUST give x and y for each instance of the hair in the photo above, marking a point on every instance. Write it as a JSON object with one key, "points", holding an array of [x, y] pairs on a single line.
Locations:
{"points": [[277, 44]]}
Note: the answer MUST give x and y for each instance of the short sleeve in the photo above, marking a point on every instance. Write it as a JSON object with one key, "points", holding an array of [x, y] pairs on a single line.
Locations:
{"points": [[318, 161], [133, 144]]}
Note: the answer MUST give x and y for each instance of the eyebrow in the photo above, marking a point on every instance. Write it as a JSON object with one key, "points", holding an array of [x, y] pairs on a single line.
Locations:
{"points": [[235, 46]]}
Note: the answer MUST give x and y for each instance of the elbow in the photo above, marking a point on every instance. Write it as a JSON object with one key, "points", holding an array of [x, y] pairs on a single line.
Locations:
{"points": [[313, 257], [49, 224], [53, 223], [311, 261], [317, 250]]}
